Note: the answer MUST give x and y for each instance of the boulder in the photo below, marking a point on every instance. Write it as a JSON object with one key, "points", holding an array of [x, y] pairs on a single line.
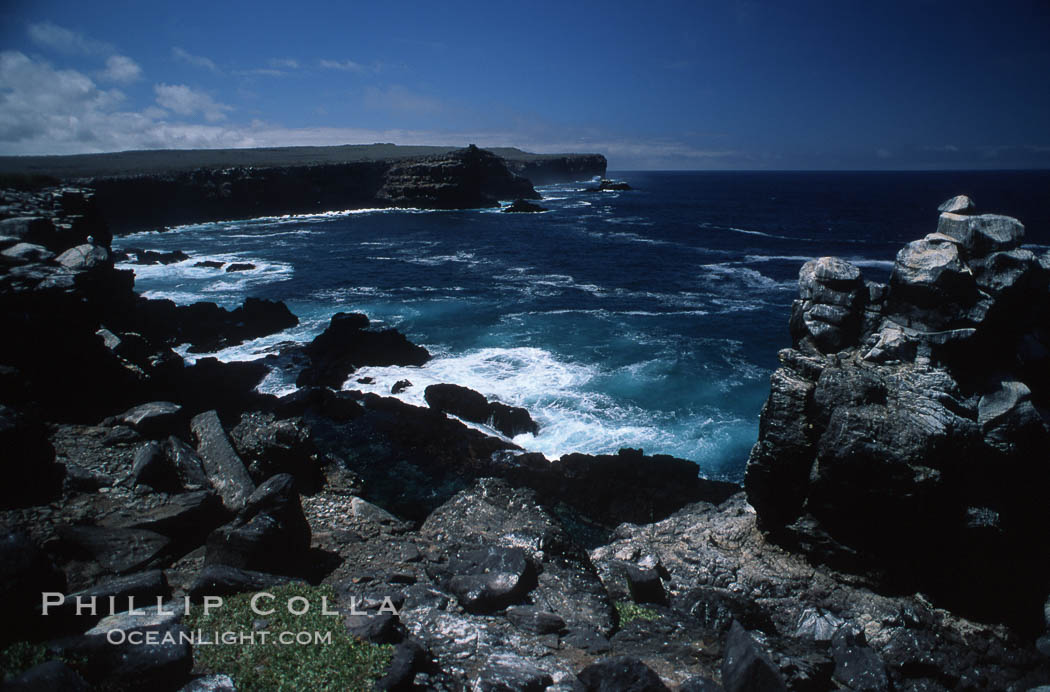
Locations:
{"points": [[829, 313], [206, 326], [142, 617], [86, 257], [532, 619], [139, 590], [409, 658], [746, 667], [960, 204], [621, 674], [457, 400], [932, 268], [527, 552], [612, 185], [226, 471], [222, 580], [378, 628], [983, 234], [118, 550], [269, 445], [24, 253], [147, 665], [153, 468], [522, 206], [491, 578], [509, 672], [186, 518], [188, 466], [270, 534], [400, 386], [644, 585], [472, 406], [366, 511], [857, 666], [154, 419], [512, 420], [155, 257], [346, 345], [239, 267]]}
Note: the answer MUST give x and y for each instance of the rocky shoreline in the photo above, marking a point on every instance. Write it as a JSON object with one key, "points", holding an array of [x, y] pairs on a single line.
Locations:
{"points": [[890, 534], [149, 190]]}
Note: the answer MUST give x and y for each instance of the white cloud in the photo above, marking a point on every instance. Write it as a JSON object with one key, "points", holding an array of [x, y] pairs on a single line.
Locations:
{"points": [[344, 65], [44, 110], [121, 69], [186, 101], [195, 60], [66, 41], [283, 63]]}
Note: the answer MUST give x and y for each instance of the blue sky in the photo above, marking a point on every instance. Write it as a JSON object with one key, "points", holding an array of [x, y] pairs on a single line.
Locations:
{"points": [[741, 84]]}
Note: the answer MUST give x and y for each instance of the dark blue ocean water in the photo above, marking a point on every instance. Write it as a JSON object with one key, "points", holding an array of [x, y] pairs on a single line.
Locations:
{"points": [[649, 318]]}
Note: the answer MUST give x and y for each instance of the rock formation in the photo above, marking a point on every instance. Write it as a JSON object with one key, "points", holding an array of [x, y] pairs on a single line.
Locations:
{"points": [[462, 179], [906, 429], [153, 189], [885, 447]]}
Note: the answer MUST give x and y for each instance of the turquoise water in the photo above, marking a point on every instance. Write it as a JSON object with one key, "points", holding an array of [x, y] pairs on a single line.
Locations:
{"points": [[649, 318]]}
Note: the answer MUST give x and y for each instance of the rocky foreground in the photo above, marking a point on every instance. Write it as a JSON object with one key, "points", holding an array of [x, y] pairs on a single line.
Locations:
{"points": [[891, 536]]}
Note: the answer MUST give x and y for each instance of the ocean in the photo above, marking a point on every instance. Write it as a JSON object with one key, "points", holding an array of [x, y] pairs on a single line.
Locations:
{"points": [[648, 318]]}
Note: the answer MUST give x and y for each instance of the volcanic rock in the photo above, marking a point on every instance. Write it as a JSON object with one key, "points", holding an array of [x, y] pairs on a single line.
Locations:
{"points": [[269, 535]]}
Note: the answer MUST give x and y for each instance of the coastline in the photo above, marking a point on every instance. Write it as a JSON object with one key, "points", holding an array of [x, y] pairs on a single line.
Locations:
{"points": [[367, 493], [144, 190]]}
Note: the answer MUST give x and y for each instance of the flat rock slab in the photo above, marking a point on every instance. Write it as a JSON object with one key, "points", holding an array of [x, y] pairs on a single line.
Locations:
{"points": [[153, 417], [221, 580], [118, 550], [225, 469], [184, 515], [160, 665]]}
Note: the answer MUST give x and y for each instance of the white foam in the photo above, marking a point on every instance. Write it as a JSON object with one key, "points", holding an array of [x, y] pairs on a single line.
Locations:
{"points": [[461, 257], [724, 272], [209, 279], [859, 261], [561, 396], [550, 388]]}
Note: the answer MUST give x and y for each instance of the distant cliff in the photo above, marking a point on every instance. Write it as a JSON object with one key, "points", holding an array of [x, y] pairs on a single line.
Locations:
{"points": [[544, 169], [146, 189]]}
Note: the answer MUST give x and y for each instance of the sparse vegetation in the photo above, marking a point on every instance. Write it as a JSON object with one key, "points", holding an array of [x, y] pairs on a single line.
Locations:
{"points": [[154, 162], [628, 612], [339, 663], [19, 657]]}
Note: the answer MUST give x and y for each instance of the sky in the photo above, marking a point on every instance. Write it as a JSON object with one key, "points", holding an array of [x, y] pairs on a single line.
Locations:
{"points": [[701, 85]]}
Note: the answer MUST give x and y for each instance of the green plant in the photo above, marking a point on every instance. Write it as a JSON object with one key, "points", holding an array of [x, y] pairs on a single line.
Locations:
{"points": [[20, 657], [332, 661], [628, 611]]}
